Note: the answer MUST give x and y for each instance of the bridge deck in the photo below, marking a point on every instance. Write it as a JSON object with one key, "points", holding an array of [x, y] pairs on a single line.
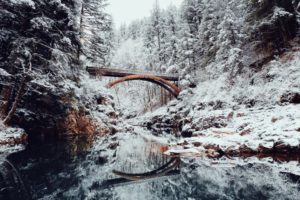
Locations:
{"points": [[101, 71]]}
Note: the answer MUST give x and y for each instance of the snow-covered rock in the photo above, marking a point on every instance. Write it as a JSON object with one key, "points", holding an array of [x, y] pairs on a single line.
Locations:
{"points": [[12, 140]]}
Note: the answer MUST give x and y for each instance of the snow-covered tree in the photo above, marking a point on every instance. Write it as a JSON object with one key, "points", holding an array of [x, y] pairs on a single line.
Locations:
{"points": [[96, 32], [189, 34], [172, 36]]}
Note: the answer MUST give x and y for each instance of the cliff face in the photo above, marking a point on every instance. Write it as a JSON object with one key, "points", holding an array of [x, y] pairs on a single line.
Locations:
{"points": [[39, 61]]}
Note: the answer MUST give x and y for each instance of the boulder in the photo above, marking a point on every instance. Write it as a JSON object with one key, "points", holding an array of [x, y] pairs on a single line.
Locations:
{"points": [[290, 97]]}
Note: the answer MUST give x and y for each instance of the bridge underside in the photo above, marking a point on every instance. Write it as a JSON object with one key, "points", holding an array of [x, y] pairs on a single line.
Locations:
{"points": [[172, 88]]}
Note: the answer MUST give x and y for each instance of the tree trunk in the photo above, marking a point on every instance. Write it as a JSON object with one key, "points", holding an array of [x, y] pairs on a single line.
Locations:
{"points": [[80, 32], [15, 104]]}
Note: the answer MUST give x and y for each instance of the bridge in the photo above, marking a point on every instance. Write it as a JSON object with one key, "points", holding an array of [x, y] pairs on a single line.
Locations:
{"points": [[164, 80], [171, 168]]}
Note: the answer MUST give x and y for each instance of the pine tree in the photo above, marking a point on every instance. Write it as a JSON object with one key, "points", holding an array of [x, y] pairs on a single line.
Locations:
{"points": [[190, 22], [96, 32], [157, 29], [172, 30]]}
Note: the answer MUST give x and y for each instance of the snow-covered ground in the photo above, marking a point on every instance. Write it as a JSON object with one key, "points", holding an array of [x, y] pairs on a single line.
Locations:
{"points": [[250, 114], [254, 127]]}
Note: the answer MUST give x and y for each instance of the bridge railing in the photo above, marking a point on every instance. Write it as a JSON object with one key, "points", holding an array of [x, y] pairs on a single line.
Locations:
{"points": [[113, 72]]}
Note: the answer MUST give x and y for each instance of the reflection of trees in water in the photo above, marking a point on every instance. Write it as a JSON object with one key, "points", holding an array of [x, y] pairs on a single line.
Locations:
{"points": [[56, 171], [12, 186], [241, 182], [198, 180], [48, 167]]}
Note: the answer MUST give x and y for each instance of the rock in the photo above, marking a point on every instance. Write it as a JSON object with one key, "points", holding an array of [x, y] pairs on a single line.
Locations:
{"points": [[245, 150], [236, 107], [219, 105], [250, 103], [290, 97], [113, 146], [274, 119], [231, 151], [246, 132], [13, 136], [186, 122], [164, 123], [187, 133], [280, 147], [210, 153], [104, 100], [212, 146], [200, 106], [113, 121], [230, 115], [240, 114], [101, 160], [213, 151], [242, 126], [113, 130], [197, 144], [258, 64], [212, 122], [264, 150]]}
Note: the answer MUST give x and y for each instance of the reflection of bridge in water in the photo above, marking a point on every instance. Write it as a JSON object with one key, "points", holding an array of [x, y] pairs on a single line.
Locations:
{"points": [[145, 157], [164, 80], [123, 181]]}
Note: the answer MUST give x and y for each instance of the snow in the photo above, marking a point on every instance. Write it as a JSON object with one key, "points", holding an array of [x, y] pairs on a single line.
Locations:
{"points": [[42, 23], [263, 124], [284, 76], [9, 149], [43, 82], [66, 40], [7, 135], [258, 121], [259, 126], [4, 72], [280, 12], [219, 82], [28, 2]]}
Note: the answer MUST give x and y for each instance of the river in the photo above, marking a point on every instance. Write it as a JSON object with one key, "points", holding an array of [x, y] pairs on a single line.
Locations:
{"points": [[77, 168]]}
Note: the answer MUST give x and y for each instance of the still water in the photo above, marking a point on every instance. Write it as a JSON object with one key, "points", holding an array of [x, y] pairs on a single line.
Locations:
{"points": [[76, 168]]}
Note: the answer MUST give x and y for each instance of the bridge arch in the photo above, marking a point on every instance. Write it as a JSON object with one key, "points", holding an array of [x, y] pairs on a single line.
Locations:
{"points": [[172, 88]]}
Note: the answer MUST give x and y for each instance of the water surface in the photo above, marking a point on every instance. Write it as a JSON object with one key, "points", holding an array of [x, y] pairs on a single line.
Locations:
{"points": [[76, 168]]}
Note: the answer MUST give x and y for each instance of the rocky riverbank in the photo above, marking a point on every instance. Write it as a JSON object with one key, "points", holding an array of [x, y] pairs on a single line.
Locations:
{"points": [[256, 116]]}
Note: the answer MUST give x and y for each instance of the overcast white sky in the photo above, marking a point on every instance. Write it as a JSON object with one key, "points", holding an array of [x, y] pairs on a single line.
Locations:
{"points": [[125, 11]]}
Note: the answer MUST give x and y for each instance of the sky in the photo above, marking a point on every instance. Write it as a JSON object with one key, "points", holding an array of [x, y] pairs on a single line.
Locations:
{"points": [[125, 11]]}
